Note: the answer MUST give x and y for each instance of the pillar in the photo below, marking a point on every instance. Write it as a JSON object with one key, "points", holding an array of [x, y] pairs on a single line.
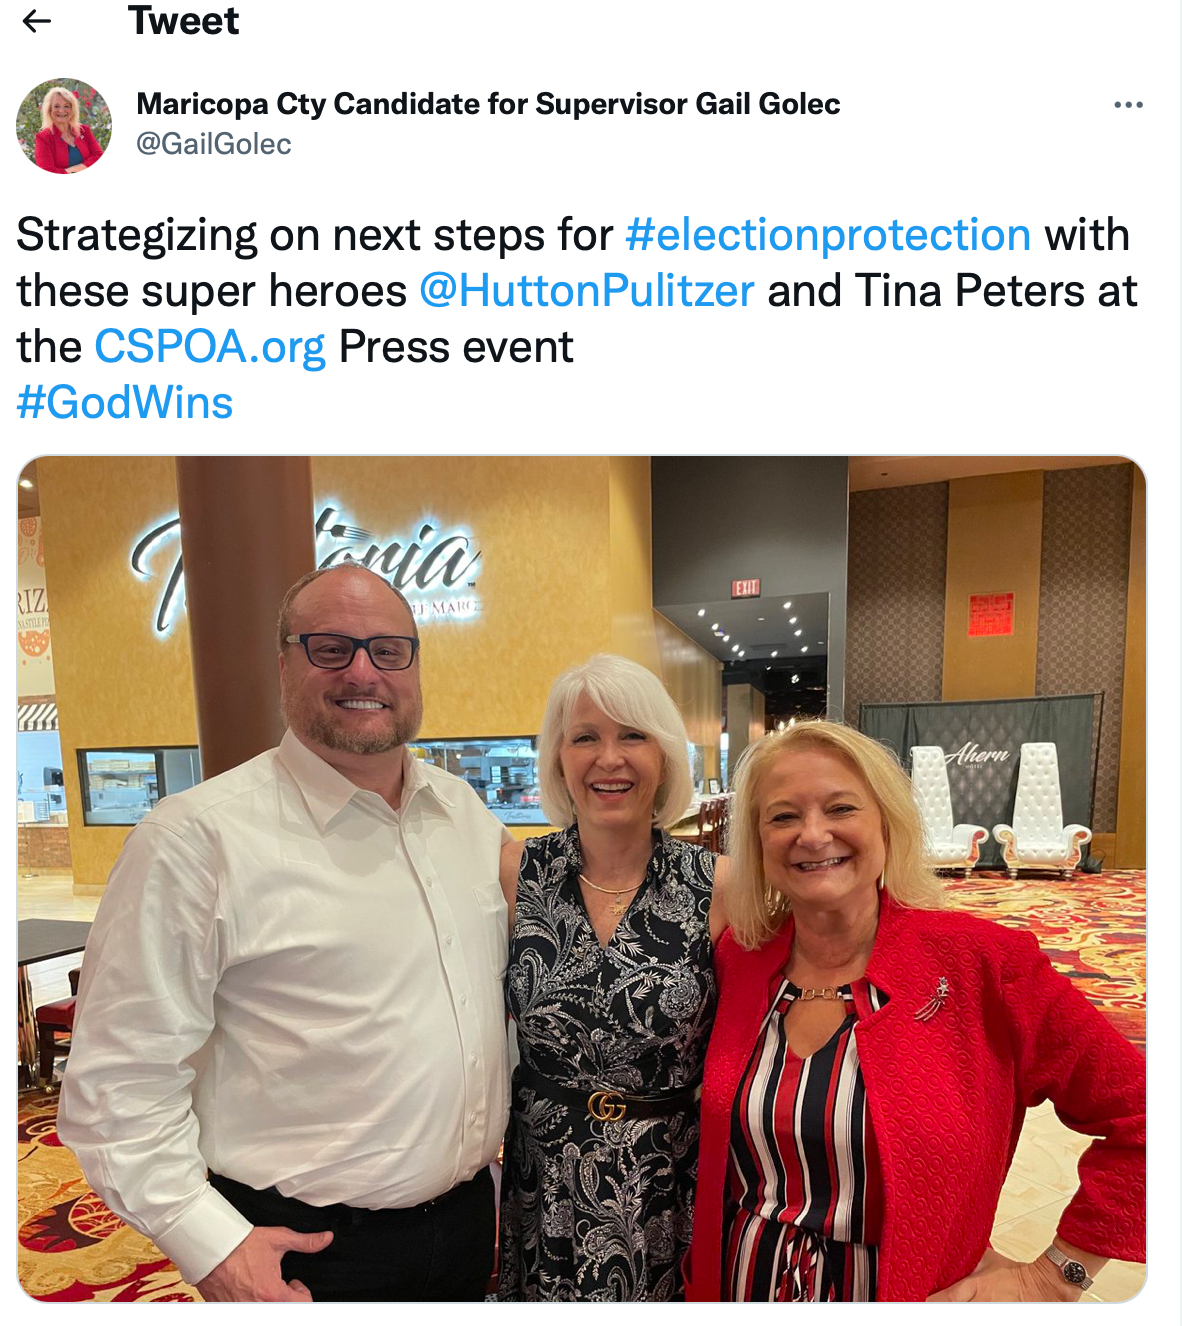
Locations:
{"points": [[246, 536]]}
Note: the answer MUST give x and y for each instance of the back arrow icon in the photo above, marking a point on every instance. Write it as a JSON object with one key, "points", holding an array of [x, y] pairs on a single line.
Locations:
{"points": [[29, 20]]}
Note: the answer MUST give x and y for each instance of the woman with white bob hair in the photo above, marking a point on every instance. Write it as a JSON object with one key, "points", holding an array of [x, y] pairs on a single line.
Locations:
{"points": [[610, 983]]}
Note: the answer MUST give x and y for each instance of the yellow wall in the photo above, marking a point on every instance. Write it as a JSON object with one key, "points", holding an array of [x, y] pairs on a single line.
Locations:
{"points": [[115, 682], [544, 581], [994, 547], [565, 573], [631, 539], [694, 679]]}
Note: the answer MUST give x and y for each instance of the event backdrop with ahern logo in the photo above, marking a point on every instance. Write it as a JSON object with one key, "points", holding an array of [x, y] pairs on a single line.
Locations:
{"points": [[982, 741]]}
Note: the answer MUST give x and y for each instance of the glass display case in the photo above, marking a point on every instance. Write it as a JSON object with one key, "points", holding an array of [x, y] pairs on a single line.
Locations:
{"points": [[502, 770], [122, 786]]}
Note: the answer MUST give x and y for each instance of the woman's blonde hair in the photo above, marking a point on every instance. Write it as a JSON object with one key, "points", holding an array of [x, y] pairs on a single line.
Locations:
{"points": [[629, 694], [755, 909], [47, 107]]}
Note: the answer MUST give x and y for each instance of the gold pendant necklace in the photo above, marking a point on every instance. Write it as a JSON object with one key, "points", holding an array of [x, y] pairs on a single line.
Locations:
{"points": [[617, 908]]}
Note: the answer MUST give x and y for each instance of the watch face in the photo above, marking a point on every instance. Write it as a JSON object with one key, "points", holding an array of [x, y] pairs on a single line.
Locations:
{"points": [[1074, 1272]]}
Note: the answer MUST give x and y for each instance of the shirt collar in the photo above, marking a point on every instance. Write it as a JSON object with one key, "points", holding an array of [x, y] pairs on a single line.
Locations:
{"points": [[327, 792]]}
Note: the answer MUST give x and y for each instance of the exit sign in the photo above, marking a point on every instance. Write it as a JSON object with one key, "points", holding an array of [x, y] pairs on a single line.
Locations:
{"points": [[744, 589]]}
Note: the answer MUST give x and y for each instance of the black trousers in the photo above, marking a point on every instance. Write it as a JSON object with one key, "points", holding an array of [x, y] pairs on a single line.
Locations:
{"points": [[440, 1251]]}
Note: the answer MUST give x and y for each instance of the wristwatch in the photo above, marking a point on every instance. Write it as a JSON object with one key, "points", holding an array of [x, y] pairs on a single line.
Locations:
{"points": [[1073, 1272]]}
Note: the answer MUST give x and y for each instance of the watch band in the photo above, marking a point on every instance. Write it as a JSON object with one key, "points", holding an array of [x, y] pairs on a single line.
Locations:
{"points": [[1075, 1273]]}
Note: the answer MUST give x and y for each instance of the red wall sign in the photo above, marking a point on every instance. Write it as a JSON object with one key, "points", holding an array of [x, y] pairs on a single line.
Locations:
{"points": [[991, 614], [744, 589]]}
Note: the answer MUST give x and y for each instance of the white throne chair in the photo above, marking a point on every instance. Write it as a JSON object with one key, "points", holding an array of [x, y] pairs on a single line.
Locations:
{"points": [[947, 846], [1038, 839]]}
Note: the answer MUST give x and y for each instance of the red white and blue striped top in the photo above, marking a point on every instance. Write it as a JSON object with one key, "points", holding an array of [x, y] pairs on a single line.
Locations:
{"points": [[804, 1179]]}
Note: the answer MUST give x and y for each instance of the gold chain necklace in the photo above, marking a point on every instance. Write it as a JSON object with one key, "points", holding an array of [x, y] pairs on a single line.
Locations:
{"points": [[824, 992], [617, 908]]}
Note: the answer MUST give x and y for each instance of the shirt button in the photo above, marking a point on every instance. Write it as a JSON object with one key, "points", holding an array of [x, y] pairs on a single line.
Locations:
{"points": [[471, 1118], [430, 881], [472, 1060], [463, 999], [447, 940]]}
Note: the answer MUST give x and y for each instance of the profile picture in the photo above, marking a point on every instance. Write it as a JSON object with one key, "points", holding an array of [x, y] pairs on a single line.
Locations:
{"points": [[64, 126]]}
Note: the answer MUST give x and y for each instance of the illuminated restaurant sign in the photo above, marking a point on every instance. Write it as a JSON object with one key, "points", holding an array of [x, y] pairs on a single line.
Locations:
{"points": [[435, 570]]}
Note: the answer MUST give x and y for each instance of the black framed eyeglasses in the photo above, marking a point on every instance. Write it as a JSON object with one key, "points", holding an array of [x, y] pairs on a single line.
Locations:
{"points": [[389, 653]]}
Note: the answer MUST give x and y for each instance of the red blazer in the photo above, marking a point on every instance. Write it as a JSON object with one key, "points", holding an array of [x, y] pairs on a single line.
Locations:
{"points": [[947, 1096], [52, 154]]}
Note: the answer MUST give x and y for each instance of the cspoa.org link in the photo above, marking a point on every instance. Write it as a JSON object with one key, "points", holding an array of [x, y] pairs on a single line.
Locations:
{"points": [[141, 345], [221, 144]]}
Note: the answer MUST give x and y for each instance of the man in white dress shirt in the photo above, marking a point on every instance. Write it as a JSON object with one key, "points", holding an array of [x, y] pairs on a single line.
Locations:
{"points": [[294, 982]]}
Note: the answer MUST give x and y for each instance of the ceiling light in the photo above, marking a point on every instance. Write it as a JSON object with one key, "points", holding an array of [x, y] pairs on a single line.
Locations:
{"points": [[742, 653], [726, 637], [775, 652], [759, 619], [804, 649], [788, 604], [26, 483], [796, 676], [734, 649], [701, 612], [714, 627], [797, 631], [791, 621]]}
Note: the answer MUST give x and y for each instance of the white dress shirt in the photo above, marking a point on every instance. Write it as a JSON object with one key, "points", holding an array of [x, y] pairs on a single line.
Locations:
{"points": [[297, 986]]}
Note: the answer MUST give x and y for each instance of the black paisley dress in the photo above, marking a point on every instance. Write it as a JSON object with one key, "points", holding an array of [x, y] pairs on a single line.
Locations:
{"points": [[602, 1210]]}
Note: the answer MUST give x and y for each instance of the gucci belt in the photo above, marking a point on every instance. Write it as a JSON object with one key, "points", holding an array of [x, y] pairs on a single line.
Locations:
{"points": [[605, 1104]]}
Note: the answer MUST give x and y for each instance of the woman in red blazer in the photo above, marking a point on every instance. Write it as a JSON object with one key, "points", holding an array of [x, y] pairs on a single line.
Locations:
{"points": [[65, 145], [873, 1058]]}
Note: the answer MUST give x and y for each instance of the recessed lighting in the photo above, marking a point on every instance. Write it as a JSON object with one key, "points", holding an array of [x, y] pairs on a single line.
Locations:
{"points": [[788, 604], [775, 652], [734, 649], [797, 631], [701, 612], [804, 649], [725, 638], [742, 653], [796, 676], [759, 619], [26, 483], [714, 627], [791, 621]]}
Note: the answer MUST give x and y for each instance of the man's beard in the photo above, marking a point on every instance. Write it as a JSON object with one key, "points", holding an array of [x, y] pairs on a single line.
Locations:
{"points": [[331, 733]]}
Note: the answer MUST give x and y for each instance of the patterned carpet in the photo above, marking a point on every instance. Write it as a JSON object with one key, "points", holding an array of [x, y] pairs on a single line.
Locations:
{"points": [[72, 1249], [1092, 927]]}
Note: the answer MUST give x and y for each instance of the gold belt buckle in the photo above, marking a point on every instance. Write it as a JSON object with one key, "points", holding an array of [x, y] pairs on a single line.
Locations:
{"points": [[606, 1106]]}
